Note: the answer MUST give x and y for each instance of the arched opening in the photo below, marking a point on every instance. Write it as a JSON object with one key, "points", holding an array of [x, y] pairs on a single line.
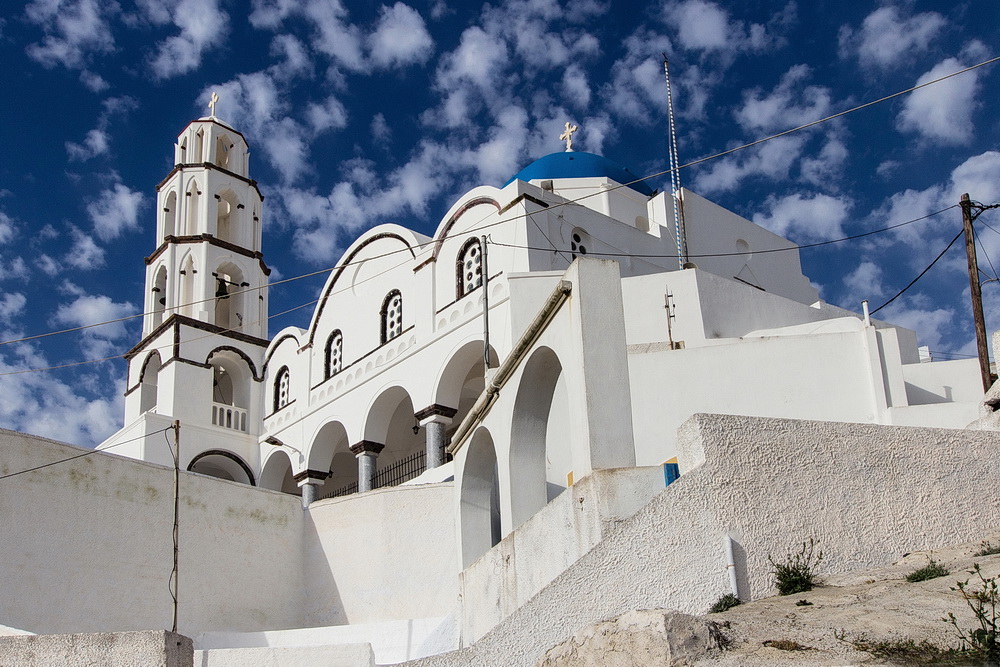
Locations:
{"points": [[159, 296], [463, 380], [390, 422], [188, 306], [148, 380], [227, 226], [170, 215], [282, 388], [330, 451], [199, 147], [230, 297], [469, 267], [392, 316], [539, 450], [231, 385], [193, 195], [480, 498], [276, 474], [221, 464], [224, 152], [333, 357]]}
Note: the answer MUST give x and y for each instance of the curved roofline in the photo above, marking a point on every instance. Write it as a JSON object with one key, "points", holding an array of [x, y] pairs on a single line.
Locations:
{"points": [[485, 194], [408, 237]]}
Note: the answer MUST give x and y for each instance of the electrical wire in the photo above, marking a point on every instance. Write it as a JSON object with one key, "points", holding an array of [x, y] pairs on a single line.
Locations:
{"points": [[732, 254], [912, 282], [506, 220], [79, 456]]}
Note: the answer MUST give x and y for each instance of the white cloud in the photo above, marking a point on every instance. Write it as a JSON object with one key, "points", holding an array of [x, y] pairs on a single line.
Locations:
{"points": [[932, 325], [94, 82], [575, 88], [13, 268], [888, 38], [12, 304], [330, 115], [818, 217], [294, 55], [73, 29], [115, 210], [203, 25], [94, 144], [381, 132], [942, 112], [400, 38], [825, 169], [7, 228], [866, 281], [705, 26], [48, 266], [772, 160], [84, 253], [790, 104], [979, 176]]}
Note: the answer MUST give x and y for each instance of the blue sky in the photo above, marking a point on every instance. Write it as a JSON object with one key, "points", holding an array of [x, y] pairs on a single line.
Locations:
{"points": [[363, 113]]}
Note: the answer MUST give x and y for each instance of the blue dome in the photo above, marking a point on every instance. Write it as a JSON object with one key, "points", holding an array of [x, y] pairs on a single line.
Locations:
{"points": [[571, 164]]}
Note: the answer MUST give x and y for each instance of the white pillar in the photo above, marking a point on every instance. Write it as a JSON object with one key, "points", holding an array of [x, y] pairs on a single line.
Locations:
{"points": [[435, 418], [366, 452]]}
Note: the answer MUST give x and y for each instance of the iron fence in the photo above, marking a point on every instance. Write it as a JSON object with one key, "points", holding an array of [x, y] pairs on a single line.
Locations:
{"points": [[394, 474]]}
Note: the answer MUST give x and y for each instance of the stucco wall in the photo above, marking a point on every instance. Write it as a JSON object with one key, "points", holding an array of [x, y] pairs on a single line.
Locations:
{"points": [[86, 546], [149, 649], [383, 555], [867, 493]]}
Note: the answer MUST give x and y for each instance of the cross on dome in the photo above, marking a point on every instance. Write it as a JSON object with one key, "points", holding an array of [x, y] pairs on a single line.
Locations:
{"points": [[567, 136], [213, 102]]}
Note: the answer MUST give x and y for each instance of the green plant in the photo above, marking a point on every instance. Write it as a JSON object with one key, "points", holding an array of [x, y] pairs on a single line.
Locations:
{"points": [[725, 603], [798, 573], [904, 651], [987, 549], [983, 599], [932, 570]]}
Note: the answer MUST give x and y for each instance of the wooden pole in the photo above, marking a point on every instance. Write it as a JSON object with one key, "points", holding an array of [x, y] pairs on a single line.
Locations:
{"points": [[977, 294], [177, 467]]}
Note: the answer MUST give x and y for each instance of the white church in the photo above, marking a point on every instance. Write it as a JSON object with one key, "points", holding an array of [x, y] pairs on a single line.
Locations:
{"points": [[573, 370]]}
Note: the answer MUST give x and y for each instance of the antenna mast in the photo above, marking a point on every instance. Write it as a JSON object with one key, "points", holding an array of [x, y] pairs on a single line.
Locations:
{"points": [[675, 177]]}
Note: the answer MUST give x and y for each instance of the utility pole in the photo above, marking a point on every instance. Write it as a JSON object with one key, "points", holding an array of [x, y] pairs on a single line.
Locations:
{"points": [[177, 467], [977, 293]]}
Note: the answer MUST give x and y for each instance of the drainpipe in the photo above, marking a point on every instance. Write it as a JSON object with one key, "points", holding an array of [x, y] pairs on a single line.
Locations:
{"points": [[731, 565], [510, 364]]}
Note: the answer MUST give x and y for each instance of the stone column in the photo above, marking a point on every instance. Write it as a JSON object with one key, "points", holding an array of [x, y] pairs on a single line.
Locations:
{"points": [[309, 481], [366, 452], [435, 418]]}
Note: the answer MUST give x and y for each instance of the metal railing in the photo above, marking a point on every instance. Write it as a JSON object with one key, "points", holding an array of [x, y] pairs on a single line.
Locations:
{"points": [[394, 474]]}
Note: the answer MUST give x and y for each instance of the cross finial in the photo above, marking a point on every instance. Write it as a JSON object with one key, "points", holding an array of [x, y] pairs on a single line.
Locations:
{"points": [[567, 136], [213, 102]]}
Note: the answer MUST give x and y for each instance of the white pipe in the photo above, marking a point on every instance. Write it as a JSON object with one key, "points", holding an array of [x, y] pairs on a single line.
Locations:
{"points": [[731, 565], [509, 365], [864, 309]]}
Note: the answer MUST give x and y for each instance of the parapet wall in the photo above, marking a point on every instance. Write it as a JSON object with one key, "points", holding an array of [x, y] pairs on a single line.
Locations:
{"points": [[866, 493]]}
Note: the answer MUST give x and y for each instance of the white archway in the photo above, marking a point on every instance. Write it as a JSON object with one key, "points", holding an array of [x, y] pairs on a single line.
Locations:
{"points": [[479, 498]]}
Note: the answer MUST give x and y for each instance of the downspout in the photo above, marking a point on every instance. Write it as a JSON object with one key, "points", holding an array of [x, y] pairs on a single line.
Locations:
{"points": [[731, 566], [510, 364]]}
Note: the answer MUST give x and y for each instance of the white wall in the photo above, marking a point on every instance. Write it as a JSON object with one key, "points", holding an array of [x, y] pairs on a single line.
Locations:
{"points": [[867, 493], [384, 555], [86, 546]]}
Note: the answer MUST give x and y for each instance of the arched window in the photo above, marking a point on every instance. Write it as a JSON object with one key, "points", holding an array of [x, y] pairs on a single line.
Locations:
{"points": [[170, 215], [392, 315], [469, 268], [282, 389], [334, 354], [193, 205], [159, 297]]}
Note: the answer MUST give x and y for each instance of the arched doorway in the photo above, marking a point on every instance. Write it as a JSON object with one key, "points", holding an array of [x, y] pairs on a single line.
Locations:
{"points": [[276, 474], [540, 457], [390, 422], [331, 451], [480, 498]]}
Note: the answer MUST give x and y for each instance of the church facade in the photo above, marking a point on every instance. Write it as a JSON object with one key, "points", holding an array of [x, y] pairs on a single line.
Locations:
{"points": [[552, 331]]}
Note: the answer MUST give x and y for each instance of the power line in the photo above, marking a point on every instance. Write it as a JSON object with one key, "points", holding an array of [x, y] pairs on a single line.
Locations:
{"points": [[79, 456], [559, 204], [732, 254], [912, 282]]}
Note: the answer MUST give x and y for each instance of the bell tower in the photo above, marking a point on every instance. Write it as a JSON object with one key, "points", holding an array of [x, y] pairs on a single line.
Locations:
{"points": [[204, 327]]}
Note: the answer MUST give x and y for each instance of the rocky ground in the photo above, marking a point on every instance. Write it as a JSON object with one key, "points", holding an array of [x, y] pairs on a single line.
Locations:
{"points": [[898, 622]]}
